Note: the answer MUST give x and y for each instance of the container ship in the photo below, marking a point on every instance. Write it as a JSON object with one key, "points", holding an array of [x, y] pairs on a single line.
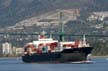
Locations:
{"points": [[53, 51], [48, 50]]}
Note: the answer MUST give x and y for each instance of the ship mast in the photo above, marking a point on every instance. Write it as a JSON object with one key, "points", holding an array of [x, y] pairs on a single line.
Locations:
{"points": [[62, 27]]}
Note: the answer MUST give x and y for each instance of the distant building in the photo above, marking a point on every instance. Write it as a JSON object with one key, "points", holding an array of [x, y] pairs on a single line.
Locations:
{"points": [[6, 49], [98, 16], [17, 51], [1, 51]]}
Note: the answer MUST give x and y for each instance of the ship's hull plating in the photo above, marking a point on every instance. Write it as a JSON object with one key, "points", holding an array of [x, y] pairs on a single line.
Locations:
{"points": [[67, 55]]}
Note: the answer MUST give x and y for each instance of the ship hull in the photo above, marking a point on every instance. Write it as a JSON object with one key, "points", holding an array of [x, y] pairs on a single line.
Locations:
{"points": [[67, 55]]}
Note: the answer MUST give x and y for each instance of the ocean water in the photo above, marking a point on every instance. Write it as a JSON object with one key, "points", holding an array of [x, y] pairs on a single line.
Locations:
{"points": [[16, 64]]}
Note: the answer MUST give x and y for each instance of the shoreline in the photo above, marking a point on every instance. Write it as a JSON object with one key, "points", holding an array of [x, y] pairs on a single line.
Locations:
{"points": [[9, 57], [21, 56], [98, 56]]}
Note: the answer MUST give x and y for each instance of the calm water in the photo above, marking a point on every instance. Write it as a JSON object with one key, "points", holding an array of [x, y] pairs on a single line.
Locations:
{"points": [[15, 64]]}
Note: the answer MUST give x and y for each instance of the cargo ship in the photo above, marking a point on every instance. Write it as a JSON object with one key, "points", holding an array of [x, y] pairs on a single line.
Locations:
{"points": [[48, 50], [52, 51]]}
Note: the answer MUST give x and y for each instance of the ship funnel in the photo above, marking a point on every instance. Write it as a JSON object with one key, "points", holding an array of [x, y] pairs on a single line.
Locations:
{"points": [[42, 35]]}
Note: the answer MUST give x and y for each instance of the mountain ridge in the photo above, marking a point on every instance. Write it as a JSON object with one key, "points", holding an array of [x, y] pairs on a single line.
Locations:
{"points": [[14, 11]]}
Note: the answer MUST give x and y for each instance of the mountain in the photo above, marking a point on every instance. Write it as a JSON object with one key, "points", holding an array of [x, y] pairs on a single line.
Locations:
{"points": [[13, 11]]}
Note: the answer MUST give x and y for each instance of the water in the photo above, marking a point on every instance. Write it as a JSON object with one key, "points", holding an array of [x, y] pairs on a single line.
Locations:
{"points": [[15, 64]]}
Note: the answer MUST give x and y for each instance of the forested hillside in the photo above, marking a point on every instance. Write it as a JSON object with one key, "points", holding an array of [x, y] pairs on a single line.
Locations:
{"points": [[13, 11]]}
